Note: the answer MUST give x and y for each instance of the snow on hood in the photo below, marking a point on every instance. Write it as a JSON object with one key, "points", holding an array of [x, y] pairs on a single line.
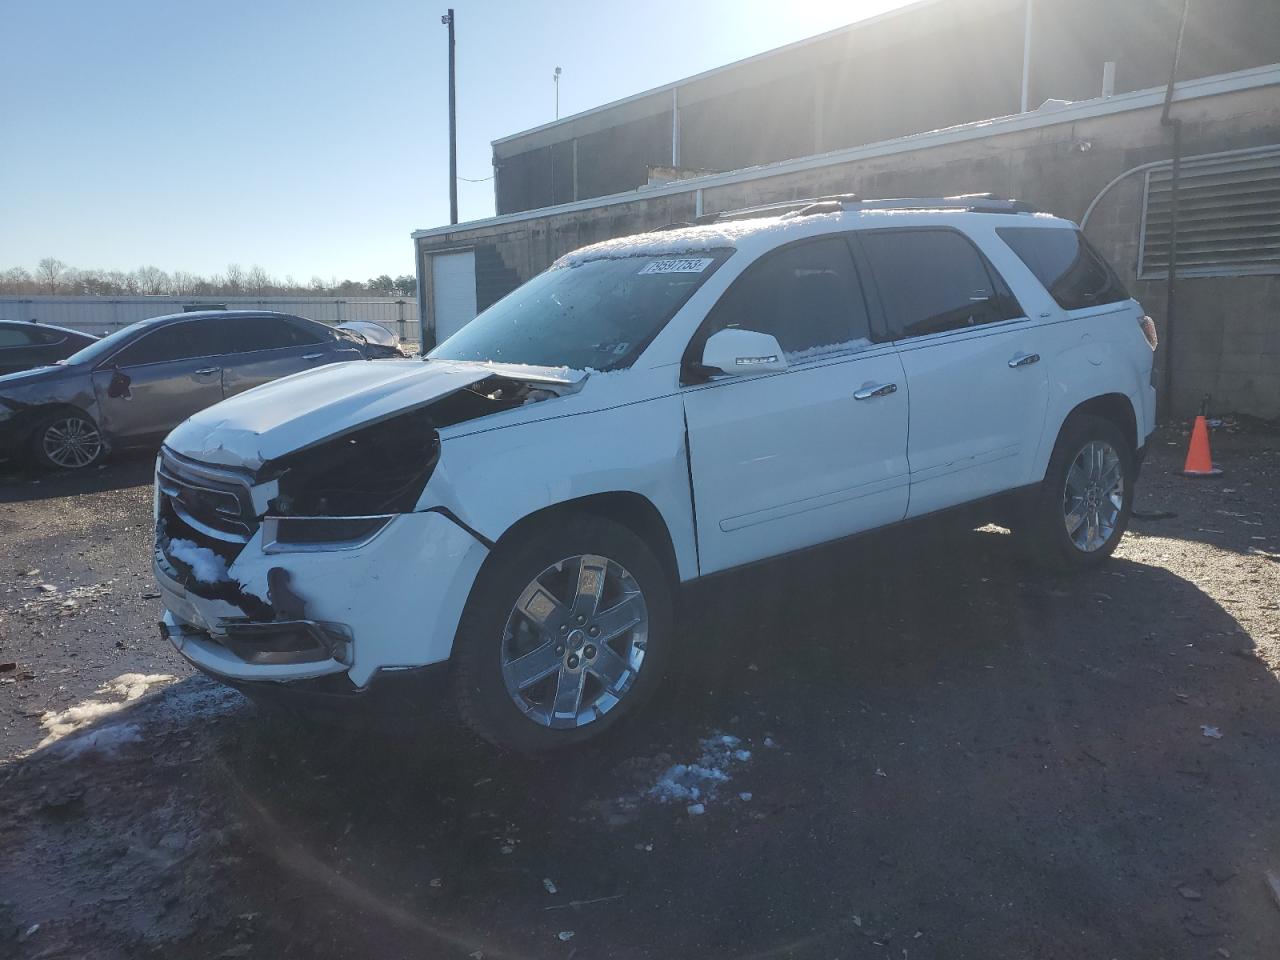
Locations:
{"points": [[294, 412], [684, 240]]}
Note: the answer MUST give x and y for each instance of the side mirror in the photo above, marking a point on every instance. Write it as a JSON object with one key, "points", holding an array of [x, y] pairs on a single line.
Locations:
{"points": [[118, 388], [743, 352]]}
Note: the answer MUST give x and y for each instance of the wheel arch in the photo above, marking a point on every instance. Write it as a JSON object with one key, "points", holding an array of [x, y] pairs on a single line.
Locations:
{"points": [[1115, 407], [632, 510]]}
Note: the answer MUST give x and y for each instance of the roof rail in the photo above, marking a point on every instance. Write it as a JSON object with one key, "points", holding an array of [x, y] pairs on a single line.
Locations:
{"points": [[774, 209], [971, 202]]}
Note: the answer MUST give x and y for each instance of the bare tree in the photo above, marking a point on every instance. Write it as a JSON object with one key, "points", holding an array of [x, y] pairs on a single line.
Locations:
{"points": [[152, 281], [258, 280], [17, 280], [183, 284], [48, 271], [120, 282], [52, 276]]}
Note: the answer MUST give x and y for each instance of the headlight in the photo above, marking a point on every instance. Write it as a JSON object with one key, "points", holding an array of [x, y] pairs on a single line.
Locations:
{"points": [[368, 473], [294, 534]]}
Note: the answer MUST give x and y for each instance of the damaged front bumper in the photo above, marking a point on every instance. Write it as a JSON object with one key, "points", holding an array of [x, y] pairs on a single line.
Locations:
{"points": [[335, 620]]}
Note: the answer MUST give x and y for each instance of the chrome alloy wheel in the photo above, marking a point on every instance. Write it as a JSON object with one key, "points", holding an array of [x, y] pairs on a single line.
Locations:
{"points": [[1094, 496], [575, 641], [71, 442]]}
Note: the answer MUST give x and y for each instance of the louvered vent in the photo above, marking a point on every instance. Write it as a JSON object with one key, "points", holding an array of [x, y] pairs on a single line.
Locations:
{"points": [[1228, 217]]}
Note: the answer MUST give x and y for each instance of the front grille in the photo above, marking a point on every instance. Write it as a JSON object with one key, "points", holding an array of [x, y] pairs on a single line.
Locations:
{"points": [[208, 500]]}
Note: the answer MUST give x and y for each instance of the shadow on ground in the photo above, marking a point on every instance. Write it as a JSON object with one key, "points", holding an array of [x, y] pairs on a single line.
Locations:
{"points": [[21, 484], [950, 756]]}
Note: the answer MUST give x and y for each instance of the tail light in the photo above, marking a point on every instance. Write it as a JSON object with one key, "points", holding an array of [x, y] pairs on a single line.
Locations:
{"points": [[1149, 331]]}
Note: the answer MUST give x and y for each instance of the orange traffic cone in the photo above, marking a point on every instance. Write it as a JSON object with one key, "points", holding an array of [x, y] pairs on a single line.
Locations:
{"points": [[1199, 462]]}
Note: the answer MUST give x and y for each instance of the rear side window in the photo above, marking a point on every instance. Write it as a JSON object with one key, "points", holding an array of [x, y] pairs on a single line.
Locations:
{"points": [[13, 337], [808, 296], [1073, 272], [932, 281], [248, 334]]}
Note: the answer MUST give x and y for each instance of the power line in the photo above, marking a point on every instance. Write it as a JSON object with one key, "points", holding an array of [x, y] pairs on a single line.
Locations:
{"points": [[481, 180]]}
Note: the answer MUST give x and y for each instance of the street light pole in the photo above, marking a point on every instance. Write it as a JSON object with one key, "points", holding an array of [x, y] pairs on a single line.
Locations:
{"points": [[556, 77], [447, 20]]}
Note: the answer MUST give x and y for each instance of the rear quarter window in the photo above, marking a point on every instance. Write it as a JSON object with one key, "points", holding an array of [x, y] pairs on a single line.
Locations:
{"points": [[1072, 271]]}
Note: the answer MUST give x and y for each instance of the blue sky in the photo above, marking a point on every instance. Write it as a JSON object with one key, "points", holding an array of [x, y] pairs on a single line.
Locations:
{"points": [[311, 137]]}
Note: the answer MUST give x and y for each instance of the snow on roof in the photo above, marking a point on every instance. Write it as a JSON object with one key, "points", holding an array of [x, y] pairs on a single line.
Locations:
{"points": [[685, 240]]}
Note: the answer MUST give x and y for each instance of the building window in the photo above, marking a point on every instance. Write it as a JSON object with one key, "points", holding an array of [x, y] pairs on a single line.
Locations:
{"points": [[1228, 217]]}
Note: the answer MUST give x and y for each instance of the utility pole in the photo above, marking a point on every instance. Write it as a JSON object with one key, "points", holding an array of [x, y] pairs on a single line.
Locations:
{"points": [[447, 20], [1175, 171], [556, 78]]}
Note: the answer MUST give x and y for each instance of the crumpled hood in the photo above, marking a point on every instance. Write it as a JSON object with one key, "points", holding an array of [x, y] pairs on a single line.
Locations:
{"points": [[296, 411]]}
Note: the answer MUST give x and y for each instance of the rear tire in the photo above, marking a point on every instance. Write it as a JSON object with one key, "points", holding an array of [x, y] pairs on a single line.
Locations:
{"points": [[67, 440], [1082, 509], [566, 632]]}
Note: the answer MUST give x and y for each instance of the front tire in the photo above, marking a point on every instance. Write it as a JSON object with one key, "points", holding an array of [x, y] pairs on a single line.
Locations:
{"points": [[67, 440], [566, 632], [1083, 506]]}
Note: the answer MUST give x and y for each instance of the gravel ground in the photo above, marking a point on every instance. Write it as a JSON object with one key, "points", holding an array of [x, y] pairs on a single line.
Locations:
{"points": [[913, 746]]}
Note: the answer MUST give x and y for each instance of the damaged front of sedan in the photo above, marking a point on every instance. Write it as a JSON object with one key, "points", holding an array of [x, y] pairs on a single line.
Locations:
{"points": [[507, 518]]}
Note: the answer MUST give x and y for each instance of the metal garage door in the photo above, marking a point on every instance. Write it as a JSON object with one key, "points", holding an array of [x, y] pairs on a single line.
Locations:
{"points": [[453, 286]]}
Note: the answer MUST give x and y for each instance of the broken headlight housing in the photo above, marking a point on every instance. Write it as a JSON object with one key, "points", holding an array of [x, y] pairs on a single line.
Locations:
{"points": [[345, 489]]}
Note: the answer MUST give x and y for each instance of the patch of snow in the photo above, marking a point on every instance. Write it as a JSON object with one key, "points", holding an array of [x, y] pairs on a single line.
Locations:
{"points": [[206, 566], [91, 724], [847, 346], [696, 783], [128, 687], [61, 723], [685, 240], [531, 372], [105, 739], [131, 686]]}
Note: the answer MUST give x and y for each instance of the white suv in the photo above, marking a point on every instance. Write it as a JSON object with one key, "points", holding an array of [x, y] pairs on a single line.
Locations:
{"points": [[511, 518]]}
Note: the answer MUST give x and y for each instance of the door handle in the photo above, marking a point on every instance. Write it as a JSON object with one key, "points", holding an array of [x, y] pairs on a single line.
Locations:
{"points": [[879, 390], [312, 356], [207, 370], [1024, 360]]}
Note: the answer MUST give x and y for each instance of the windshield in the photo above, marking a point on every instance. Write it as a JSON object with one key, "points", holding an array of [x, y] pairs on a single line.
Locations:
{"points": [[597, 315]]}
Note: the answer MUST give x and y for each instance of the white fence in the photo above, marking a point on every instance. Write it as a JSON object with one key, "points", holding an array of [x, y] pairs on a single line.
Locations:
{"points": [[99, 315]]}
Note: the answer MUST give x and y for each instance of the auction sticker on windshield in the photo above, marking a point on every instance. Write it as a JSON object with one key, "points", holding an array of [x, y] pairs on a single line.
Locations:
{"points": [[682, 265]]}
